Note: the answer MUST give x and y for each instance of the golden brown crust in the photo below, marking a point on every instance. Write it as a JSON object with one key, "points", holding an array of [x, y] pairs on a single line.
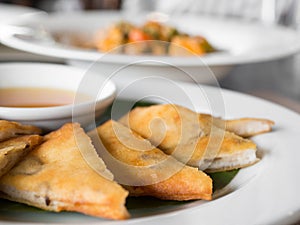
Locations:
{"points": [[248, 127], [172, 179], [165, 125], [14, 149], [244, 127], [9, 129], [230, 144], [54, 176], [185, 185], [204, 142]]}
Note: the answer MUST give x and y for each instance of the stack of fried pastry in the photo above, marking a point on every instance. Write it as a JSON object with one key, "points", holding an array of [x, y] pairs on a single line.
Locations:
{"points": [[161, 151], [200, 140], [16, 140], [55, 176]]}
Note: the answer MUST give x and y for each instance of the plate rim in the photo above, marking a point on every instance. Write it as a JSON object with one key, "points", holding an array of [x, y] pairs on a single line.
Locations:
{"points": [[8, 37]]}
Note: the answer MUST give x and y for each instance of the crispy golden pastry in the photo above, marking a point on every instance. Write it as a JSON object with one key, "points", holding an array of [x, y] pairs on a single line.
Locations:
{"points": [[9, 129], [191, 137], [146, 171], [14, 149], [244, 127], [54, 176], [183, 45]]}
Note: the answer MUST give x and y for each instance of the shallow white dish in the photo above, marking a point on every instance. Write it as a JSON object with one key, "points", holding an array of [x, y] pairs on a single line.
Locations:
{"points": [[9, 13], [265, 193], [41, 75], [241, 42]]}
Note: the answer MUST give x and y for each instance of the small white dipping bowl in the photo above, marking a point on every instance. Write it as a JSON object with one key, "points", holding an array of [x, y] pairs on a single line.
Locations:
{"points": [[42, 75]]}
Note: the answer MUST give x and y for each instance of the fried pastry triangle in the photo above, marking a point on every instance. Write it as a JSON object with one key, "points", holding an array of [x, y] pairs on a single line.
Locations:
{"points": [[14, 149], [191, 137], [9, 129], [54, 176], [244, 127], [145, 170]]}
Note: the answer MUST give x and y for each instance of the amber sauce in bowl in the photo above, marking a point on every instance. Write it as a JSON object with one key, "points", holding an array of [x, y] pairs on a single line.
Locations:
{"points": [[50, 95], [32, 97]]}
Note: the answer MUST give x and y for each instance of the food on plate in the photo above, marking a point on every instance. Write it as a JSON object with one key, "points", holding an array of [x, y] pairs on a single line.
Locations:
{"points": [[189, 45], [193, 138], [144, 37], [9, 129], [14, 149], [54, 176], [244, 127], [115, 36], [163, 151], [133, 159], [247, 127]]}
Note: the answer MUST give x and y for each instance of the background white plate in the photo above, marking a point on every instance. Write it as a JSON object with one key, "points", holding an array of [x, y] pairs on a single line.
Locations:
{"points": [[266, 193], [240, 42], [8, 15]]}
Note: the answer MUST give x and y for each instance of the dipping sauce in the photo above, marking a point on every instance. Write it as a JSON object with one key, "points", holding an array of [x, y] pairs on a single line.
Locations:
{"points": [[38, 97]]}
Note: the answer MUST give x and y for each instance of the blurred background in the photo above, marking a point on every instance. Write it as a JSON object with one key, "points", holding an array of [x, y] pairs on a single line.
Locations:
{"points": [[276, 80], [285, 12], [67, 5]]}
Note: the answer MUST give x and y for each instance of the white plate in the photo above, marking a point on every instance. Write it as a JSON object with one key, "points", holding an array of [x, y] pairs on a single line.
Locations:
{"points": [[241, 42], [9, 13], [265, 193]]}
